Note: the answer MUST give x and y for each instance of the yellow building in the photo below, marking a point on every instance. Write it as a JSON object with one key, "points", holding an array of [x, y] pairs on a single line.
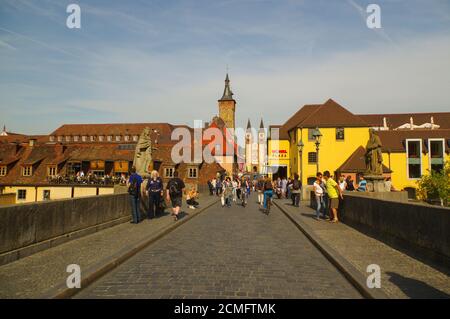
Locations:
{"points": [[323, 137]]}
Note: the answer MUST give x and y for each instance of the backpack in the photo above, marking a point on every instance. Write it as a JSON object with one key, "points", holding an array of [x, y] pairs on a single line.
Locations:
{"points": [[296, 185], [174, 188], [133, 188]]}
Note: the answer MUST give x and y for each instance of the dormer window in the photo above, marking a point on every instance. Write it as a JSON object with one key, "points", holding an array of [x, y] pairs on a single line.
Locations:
{"points": [[51, 138], [67, 138], [109, 138], [92, 138], [60, 138], [118, 137], [126, 138], [27, 170], [3, 170], [84, 138], [51, 171], [101, 138], [76, 138], [135, 138]]}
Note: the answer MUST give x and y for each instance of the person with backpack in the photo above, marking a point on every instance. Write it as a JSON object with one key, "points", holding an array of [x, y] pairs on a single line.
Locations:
{"points": [[175, 188], [296, 190], [134, 190], [260, 190], [154, 192]]}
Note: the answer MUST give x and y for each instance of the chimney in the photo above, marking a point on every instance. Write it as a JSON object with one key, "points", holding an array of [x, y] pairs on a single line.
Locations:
{"points": [[32, 142], [411, 122], [385, 123], [432, 122], [60, 148]]}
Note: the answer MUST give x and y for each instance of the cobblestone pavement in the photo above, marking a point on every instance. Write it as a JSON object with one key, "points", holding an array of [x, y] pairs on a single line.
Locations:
{"points": [[402, 276], [227, 253], [34, 275]]}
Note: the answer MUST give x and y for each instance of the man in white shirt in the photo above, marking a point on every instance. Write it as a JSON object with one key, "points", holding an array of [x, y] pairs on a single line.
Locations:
{"points": [[318, 192]]}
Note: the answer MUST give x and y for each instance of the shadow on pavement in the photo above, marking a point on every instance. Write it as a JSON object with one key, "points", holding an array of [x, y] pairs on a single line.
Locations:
{"points": [[416, 289]]}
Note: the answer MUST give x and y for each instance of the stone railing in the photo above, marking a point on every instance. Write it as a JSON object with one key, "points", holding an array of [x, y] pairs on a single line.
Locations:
{"points": [[417, 227], [28, 228]]}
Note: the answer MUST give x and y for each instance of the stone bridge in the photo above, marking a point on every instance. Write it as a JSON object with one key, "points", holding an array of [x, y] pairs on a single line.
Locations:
{"points": [[220, 252]]}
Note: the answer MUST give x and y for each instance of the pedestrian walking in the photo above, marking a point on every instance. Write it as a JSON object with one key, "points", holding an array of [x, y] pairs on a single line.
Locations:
{"points": [[260, 190], [154, 192], [268, 193], [134, 190], [175, 188], [227, 192], [334, 193], [296, 190]]}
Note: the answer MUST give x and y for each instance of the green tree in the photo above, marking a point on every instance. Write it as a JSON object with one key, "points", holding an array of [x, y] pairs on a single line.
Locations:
{"points": [[436, 186]]}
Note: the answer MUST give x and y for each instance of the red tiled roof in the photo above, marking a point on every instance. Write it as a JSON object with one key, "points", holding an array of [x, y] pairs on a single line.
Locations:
{"points": [[393, 141], [356, 163]]}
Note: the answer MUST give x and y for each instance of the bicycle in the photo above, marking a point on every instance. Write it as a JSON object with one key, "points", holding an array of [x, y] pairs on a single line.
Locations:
{"points": [[268, 203]]}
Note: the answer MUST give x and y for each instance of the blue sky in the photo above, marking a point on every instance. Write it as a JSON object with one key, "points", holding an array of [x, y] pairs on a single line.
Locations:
{"points": [[165, 61]]}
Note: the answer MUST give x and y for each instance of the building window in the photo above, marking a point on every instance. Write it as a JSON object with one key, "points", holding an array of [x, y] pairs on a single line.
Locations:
{"points": [[436, 148], [168, 172], [126, 138], [340, 134], [117, 138], [312, 158], [27, 170], [101, 138], [67, 138], [414, 158], [135, 138], [51, 138], [51, 171], [109, 138], [84, 138], [3, 170], [192, 172], [92, 138], [76, 138], [60, 138], [22, 194], [310, 134], [46, 194]]}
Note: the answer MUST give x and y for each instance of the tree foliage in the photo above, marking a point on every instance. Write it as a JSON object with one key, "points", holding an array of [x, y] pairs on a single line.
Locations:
{"points": [[436, 186]]}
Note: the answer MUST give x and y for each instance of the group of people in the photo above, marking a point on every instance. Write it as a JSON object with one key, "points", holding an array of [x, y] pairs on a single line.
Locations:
{"points": [[153, 188], [88, 179]]}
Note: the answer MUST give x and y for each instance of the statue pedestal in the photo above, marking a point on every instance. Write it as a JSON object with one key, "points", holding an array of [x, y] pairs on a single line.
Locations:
{"points": [[375, 183]]}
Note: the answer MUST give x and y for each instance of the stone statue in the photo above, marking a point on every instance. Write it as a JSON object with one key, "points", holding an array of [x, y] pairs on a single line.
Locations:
{"points": [[143, 154], [374, 156]]}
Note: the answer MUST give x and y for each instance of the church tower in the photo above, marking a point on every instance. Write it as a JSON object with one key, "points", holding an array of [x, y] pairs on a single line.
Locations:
{"points": [[248, 147], [227, 106]]}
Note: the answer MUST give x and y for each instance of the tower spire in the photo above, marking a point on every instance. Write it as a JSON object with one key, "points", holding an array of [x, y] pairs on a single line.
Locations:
{"points": [[261, 126], [227, 93], [249, 126]]}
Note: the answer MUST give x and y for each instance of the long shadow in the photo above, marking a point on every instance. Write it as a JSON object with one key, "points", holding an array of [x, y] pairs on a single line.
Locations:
{"points": [[416, 289]]}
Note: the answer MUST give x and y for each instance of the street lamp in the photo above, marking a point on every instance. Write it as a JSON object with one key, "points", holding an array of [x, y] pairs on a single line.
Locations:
{"points": [[300, 146], [317, 137]]}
